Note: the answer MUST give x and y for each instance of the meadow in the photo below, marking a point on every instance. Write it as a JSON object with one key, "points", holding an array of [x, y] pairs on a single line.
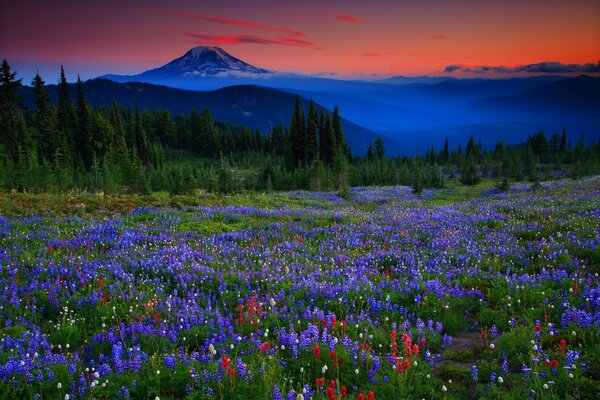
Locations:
{"points": [[383, 294]]}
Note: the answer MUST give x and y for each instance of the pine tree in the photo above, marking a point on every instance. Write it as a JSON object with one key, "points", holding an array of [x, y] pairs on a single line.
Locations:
{"points": [[379, 148], [50, 139], [471, 148], [211, 135], [499, 150], [298, 134], [119, 143], [340, 170], [225, 184], [326, 140], [340, 139], [317, 175], [312, 127], [84, 138], [469, 175], [166, 130], [9, 105], [370, 153], [140, 137], [67, 117], [446, 151], [277, 141], [563, 141], [42, 98]]}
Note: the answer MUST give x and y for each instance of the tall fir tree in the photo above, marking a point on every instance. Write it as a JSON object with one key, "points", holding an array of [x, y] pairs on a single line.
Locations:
{"points": [[119, 144], [563, 141], [9, 105], [446, 151], [471, 148], [370, 154], [298, 134], [211, 135], [84, 136], [312, 128], [327, 145], [379, 148], [140, 137], [50, 139], [340, 139], [42, 98], [67, 117]]}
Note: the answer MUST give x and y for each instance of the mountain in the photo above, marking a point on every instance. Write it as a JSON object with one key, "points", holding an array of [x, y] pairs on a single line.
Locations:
{"points": [[253, 106], [407, 80], [577, 97], [198, 62]]}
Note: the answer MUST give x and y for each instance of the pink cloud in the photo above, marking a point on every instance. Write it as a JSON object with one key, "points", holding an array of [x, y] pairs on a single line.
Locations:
{"points": [[439, 37], [346, 18], [370, 54], [216, 40], [235, 22]]}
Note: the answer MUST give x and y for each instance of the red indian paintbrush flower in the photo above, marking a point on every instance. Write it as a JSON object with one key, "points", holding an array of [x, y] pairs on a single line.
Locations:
{"points": [[317, 350], [225, 363]]}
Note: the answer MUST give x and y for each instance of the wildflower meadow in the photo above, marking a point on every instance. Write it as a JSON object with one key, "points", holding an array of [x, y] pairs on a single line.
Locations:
{"points": [[382, 294]]}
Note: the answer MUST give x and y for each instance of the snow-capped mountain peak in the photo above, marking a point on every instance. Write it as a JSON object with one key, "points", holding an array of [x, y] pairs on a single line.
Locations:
{"points": [[208, 61]]}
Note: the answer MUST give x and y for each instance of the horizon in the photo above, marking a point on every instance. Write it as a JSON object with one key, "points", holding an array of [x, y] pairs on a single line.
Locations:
{"points": [[343, 40]]}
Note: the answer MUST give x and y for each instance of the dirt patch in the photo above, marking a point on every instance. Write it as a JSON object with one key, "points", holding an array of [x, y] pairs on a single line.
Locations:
{"points": [[468, 342]]}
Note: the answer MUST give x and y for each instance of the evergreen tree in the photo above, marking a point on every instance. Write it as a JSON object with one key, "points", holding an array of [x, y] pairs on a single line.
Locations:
{"points": [[417, 181], [563, 141], [318, 175], [340, 170], [224, 176], [67, 118], [554, 143], [298, 134], [471, 149], [9, 105], [84, 138], [499, 150], [42, 98], [340, 139], [370, 154], [198, 141], [446, 151], [278, 141], [140, 137], [327, 143], [538, 144], [469, 174], [119, 144], [166, 129], [50, 140], [379, 148], [312, 127]]}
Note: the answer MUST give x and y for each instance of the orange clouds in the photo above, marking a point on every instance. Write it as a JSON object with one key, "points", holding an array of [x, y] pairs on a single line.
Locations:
{"points": [[346, 18]]}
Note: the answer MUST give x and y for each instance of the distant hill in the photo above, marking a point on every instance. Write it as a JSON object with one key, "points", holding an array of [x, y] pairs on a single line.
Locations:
{"points": [[253, 106], [577, 97]]}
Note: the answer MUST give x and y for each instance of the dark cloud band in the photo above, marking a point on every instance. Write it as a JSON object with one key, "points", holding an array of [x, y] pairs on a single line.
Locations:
{"points": [[547, 67]]}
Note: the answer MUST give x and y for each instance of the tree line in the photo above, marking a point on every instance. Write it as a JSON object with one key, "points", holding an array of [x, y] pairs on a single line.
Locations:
{"points": [[72, 145]]}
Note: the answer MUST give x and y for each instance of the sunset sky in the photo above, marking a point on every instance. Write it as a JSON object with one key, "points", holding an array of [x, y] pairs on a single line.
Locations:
{"points": [[348, 39]]}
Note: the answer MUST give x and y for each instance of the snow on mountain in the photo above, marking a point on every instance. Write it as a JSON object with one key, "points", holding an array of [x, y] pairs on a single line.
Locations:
{"points": [[207, 61]]}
